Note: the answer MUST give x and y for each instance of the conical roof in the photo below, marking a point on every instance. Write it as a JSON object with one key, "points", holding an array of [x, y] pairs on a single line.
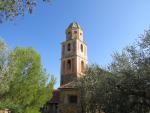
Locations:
{"points": [[74, 25]]}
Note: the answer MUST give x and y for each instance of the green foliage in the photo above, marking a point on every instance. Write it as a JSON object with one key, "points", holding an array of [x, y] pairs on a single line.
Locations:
{"points": [[28, 86], [88, 85], [125, 87], [133, 69], [4, 74], [9, 9]]}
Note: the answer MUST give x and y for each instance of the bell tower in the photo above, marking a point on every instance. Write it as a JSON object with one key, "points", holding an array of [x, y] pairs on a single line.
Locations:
{"points": [[74, 54]]}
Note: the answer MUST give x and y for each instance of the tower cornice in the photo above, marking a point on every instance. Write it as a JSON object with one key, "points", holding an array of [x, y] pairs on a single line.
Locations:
{"points": [[67, 41]]}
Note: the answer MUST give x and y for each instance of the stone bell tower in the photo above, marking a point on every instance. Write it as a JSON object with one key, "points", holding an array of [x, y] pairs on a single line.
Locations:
{"points": [[74, 54]]}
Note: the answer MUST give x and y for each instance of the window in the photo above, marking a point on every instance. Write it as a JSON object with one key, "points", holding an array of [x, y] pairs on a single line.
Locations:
{"points": [[62, 82], [82, 66], [72, 99], [81, 48], [69, 64], [75, 32], [63, 67], [69, 47], [69, 33]]}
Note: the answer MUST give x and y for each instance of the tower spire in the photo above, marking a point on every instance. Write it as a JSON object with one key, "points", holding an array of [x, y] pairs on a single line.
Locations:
{"points": [[74, 30]]}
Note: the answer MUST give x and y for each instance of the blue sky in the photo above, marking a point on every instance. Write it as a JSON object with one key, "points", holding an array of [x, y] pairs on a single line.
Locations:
{"points": [[109, 25]]}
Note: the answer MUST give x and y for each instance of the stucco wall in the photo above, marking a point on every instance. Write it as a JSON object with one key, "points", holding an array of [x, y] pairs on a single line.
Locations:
{"points": [[64, 106]]}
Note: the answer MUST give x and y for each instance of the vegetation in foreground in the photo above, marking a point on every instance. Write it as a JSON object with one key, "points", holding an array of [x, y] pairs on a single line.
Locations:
{"points": [[24, 86], [122, 88]]}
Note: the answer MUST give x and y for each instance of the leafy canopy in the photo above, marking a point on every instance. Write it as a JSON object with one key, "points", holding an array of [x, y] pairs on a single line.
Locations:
{"points": [[27, 83], [124, 87], [9, 9]]}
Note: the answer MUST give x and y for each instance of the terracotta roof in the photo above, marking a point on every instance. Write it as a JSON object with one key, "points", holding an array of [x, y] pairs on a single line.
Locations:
{"points": [[56, 94], [56, 97]]}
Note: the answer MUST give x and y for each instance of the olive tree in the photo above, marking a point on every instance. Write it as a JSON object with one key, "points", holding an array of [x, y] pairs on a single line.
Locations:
{"points": [[124, 87]]}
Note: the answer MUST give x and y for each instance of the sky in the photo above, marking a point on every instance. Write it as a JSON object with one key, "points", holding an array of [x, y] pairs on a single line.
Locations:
{"points": [[109, 26]]}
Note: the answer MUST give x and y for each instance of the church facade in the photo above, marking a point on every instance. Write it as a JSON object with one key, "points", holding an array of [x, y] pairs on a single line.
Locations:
{"points": [[66, 98]]}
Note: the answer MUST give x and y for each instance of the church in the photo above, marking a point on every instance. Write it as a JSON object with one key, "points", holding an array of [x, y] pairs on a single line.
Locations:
{"points": [[66, 99]]}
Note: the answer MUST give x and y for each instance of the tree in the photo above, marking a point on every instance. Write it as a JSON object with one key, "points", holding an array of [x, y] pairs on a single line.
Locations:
{"points": [[88, 86], [4, 75], [133, 68], [28, 87], [9, 9], [124, 87]]}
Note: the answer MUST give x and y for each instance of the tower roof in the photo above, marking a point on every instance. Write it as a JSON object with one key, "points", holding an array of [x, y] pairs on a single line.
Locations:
{"points": [[74, 25]]}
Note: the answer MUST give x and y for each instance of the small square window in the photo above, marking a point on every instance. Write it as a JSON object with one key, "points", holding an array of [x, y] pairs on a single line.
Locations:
{"points": [[72, 99]]}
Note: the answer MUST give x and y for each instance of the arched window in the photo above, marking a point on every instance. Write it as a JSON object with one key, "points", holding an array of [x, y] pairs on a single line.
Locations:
{"points": [[62, 82], [69, 33], [63, 67], [69, 47], [75, 32], [82, 66], [69, 64], [81, 48]]}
